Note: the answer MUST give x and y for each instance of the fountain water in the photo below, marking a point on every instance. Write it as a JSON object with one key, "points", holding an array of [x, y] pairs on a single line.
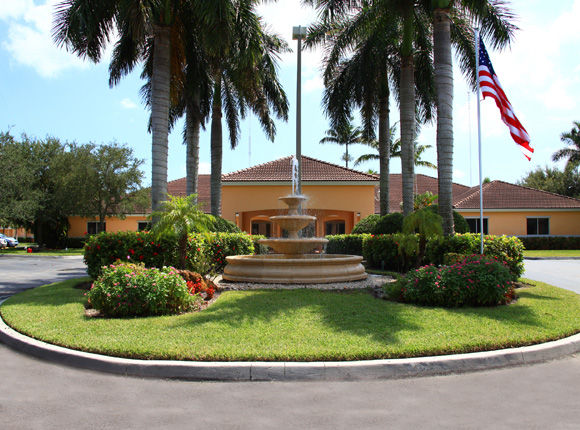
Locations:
{"points": [[294, 262]]}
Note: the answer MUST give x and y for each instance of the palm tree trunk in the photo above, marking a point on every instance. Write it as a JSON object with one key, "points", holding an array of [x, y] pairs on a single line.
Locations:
{"points": [[407, 107], [160, 115], [407, 103], [444, 90], [384, 151], [216, 150], [192, 124]]}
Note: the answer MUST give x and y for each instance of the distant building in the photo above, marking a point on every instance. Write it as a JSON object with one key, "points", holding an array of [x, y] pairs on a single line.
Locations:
{"points": [[340, 197]]}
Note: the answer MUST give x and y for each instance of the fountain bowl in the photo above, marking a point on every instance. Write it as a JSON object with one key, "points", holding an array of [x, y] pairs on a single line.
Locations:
{"points": [[294, 246], [294, 268]]}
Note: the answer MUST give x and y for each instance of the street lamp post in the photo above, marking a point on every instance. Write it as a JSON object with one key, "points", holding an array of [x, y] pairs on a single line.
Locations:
{"points": [[298, 33]]}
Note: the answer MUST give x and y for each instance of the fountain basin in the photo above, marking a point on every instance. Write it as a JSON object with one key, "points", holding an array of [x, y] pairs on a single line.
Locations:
{"points": [[293, 223], [294, 269], [294, 246]]}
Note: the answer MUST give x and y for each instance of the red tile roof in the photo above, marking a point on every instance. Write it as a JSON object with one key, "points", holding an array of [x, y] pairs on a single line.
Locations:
{"points": [[179, 188], [503, 195], [423, 183], [312, 170]]}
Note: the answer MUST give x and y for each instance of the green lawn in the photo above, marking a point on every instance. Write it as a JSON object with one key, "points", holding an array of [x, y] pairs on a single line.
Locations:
{"points": [[552, 253], [298, 325], [70, 251]]}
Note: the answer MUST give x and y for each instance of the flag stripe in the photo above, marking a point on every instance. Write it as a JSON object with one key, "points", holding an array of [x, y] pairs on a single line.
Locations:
{"points": [[490, 87]]}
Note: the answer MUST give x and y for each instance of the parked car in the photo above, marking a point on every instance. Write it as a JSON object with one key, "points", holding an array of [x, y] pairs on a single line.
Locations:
{"points": [[11, 242]]}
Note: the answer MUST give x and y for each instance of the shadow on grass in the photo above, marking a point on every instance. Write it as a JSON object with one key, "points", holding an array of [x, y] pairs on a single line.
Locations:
{"points": [[356, 313]]}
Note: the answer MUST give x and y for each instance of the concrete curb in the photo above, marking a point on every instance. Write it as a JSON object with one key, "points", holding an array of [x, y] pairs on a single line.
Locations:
{"points": [[551, 258], [292, 371]]}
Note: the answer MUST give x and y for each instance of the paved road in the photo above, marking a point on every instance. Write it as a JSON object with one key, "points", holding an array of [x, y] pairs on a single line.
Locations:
{"points": [[20, 272], [42, 395], [562, 273]]}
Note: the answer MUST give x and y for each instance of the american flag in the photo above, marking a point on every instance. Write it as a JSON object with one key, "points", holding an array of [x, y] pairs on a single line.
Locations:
{"points": [[490, 86]]}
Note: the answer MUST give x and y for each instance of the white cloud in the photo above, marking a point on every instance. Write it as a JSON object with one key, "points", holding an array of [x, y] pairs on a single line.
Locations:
{"points": [[127, 103], [29, 38], [204, 168]]}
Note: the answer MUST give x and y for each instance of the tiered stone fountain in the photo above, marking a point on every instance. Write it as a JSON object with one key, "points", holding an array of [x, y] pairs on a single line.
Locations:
{"points": [[294, 262]]}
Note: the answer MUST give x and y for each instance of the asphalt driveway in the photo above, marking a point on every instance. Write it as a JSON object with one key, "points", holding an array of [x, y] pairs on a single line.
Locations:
{"points": [[561, 273]]}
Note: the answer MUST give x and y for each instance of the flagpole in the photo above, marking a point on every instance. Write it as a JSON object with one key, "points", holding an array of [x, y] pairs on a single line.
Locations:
{"points": [[476, 33]]}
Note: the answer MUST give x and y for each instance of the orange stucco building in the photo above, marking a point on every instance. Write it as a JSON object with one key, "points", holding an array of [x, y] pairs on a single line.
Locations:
{"points": [[341, 197]]}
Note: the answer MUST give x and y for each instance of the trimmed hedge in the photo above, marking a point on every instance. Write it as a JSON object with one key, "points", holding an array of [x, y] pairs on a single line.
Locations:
{"points": [[384, 251], [206, 251], [350, 244], [551, 242], [460, 225]]}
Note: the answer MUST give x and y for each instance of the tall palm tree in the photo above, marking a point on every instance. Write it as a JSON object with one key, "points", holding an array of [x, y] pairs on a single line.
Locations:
{"points": [[346, 134], [572, 139], [85, 27], [452, 21], [244, 76], [363, 60]]}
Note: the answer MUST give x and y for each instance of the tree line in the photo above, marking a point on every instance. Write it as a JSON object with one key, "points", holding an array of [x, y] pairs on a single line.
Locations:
{"points": [[204, 59], [44, 181]]}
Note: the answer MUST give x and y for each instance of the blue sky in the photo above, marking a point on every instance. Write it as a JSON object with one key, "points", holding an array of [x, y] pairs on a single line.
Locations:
{"points": [[46, 91]]}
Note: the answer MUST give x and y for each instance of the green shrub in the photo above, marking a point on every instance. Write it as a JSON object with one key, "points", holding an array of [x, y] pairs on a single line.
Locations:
{"points": [[460, 225], [505, 248], [259, 249], [551, 242], [366, 225], [204, 250], [385, 252], [222, 225], [127, 289], [389, 224], [475, 281], [350, 244]]}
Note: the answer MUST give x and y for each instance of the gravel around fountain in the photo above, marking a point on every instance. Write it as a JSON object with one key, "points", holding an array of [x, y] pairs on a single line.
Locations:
{"points": [[372, 281]]}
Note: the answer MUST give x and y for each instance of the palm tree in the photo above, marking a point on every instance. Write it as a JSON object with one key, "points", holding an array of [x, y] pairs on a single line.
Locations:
{"points": [[244, 75], [85, 27], [570, 138], [451, 23], [363, 61], [180, 216], [346, 134]]}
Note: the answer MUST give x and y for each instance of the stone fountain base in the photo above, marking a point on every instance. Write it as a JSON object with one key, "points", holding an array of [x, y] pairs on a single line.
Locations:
{"points": [[294, 269]]}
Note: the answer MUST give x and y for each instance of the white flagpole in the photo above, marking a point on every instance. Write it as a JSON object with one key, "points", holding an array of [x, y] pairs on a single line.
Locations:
{"points": [[479, 138]]}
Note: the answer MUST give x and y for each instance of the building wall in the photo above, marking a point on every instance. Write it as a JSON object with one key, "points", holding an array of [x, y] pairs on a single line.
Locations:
{"points": [[328, 202], [515, 223], [78, 225]]}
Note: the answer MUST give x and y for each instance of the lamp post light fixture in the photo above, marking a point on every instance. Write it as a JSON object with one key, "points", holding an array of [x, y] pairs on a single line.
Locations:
{"points": [[298, 33]]}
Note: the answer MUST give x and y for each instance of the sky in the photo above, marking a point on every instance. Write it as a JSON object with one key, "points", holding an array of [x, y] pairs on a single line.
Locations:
{"points": [[46, 91]]}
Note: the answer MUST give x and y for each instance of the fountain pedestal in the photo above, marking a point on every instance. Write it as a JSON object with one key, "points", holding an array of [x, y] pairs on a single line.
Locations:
{"points": [[293, 262]]}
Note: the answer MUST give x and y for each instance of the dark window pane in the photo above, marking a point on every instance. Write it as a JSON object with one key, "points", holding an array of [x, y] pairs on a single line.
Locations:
{"points": [[543, 226], [485, 231], [532, 226], [472, 223]]}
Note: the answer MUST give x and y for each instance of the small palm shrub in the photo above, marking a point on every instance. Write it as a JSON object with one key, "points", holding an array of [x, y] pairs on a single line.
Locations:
{"points": [[127, 289], [475, 281]]}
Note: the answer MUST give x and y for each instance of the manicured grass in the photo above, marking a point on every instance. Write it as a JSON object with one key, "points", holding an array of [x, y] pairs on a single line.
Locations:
{"points": [[70, 251], [552, 253], [298, 325]]}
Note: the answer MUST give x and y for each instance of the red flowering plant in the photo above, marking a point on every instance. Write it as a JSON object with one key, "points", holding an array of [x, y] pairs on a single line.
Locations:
{"points": [[127, 289], [475, 281]]}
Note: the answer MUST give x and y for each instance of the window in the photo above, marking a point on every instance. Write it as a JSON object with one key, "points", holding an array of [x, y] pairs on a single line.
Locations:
{"points": [[474, 225], [263, 228], [93, 227], [143, 226], [334, 227], [538, 225]]}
